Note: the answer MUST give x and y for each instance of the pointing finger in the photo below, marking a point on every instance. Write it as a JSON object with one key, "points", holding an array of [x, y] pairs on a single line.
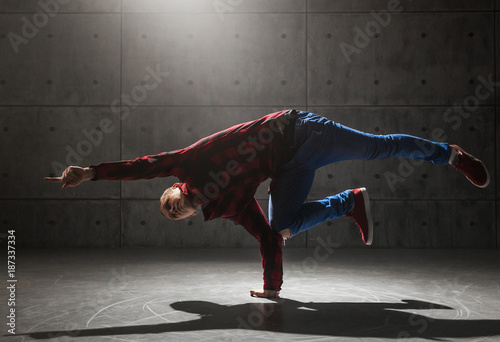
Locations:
{"points": [[53, 179]]}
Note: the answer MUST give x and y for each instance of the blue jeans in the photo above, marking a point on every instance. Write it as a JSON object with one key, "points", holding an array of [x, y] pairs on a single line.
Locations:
{"points": [[319, 142]]}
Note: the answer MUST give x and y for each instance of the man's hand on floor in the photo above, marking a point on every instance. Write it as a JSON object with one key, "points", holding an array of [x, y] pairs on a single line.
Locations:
{"points": [[265, 294]]}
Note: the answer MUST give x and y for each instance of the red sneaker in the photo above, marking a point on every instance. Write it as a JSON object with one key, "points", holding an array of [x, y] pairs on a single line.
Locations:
{"points": [[361, 214], [471, 167]]}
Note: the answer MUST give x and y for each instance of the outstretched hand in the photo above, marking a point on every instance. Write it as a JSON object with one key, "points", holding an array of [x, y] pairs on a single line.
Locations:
{"points": [[72, 176], [265, 294]]}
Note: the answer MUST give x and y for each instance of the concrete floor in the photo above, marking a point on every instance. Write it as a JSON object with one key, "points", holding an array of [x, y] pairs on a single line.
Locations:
{"points": [[203, 295]]}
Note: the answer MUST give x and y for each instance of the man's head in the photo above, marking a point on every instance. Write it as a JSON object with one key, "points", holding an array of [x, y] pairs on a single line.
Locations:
{"points": [[175, 205]]}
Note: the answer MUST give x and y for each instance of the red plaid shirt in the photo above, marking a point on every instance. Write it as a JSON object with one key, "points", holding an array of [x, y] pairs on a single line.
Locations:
{"points": [[221, 173]]}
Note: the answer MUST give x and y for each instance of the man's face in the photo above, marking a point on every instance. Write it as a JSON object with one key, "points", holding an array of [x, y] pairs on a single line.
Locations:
{"points": [[177, 206]]}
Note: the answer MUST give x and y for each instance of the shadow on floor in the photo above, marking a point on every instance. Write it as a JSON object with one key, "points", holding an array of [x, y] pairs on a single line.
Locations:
{"points": [[383, 320]]}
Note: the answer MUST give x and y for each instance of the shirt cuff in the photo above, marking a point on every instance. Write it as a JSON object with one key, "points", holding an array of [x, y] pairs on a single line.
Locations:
{"points": [[98, 173]]}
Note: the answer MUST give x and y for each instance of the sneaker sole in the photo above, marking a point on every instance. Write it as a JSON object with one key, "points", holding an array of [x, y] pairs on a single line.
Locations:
{"points": [[366, 201], [484, 167], [487, 178]]}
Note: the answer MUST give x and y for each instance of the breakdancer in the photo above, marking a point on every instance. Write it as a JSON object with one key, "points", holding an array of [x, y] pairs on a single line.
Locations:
{"points": [[220, 173]]}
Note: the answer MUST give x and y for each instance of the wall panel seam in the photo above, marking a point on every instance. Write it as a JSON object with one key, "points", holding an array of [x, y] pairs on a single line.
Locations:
{"points": [[121, 121]]}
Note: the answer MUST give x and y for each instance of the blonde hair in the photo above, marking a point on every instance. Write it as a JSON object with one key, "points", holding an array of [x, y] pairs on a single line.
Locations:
{"points": [[165, 196]]}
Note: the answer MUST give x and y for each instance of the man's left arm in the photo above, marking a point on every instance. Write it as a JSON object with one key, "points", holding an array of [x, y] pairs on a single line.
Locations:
{"points": [[271, 244]]}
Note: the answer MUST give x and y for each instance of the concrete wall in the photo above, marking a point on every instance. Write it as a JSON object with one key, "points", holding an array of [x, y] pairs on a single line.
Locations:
{"points": [[86, 81]]}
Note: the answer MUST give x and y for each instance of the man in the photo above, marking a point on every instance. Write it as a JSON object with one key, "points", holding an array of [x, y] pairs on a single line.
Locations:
{"points": [[221, 173]]}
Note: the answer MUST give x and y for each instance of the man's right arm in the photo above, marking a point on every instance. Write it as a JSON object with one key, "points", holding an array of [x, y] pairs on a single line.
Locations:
{"points": [[160, 165]]}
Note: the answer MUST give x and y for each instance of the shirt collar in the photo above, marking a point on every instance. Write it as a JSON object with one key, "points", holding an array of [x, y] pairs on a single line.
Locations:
{"points": [[183, 188]]}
